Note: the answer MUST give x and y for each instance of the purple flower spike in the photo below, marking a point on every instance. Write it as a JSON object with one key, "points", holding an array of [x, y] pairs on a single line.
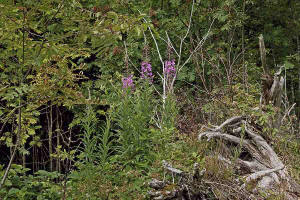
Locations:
{"points": [[170, 70], [146, 71], [128, 82]]}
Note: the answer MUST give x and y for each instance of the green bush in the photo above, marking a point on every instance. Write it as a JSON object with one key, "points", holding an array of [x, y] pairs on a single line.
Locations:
{"points": [[20, 186]]}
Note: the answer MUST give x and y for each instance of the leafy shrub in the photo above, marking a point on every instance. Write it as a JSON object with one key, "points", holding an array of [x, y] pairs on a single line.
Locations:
{"points": [[108, 181], [20, 186]]}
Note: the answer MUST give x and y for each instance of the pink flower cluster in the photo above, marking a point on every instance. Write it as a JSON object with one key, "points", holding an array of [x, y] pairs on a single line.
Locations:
{"points": [[128, 82], [170, 70], [146, 71]]}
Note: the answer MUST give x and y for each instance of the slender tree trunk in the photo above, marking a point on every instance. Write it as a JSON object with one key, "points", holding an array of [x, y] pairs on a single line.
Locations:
{"points": [[33, 159], [57, 138], [16, 146], [298, 95], [9, 164], [50, 134], [24, 159], [298, 99], [245, 70]]}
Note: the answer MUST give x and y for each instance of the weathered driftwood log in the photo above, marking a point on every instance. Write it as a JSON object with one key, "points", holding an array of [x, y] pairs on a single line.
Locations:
{"points": [[265, 167]]}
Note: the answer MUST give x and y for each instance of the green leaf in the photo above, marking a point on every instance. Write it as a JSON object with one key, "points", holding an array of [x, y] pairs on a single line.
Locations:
{"points": [[112, 15], [288, 65], [31, 131], [8, 183], [13, 191]]}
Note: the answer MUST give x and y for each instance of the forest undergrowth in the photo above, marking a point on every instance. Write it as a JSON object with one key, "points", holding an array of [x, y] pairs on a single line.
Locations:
{"points": [[166, 99], [102, 172]]}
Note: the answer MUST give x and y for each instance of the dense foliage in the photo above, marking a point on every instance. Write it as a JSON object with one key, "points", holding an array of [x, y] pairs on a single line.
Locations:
{"points": [[94, 94]]}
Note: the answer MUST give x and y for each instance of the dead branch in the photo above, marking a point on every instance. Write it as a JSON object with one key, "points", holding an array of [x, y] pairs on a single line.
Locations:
{"points": [[229, 121], [288, 112], [264, 167], [188, 186], [261, 174], [219, 135], [169, 167]]}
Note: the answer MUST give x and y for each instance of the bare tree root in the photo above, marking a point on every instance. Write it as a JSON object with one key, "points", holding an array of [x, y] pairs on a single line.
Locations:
{"points": [[267, 171]]}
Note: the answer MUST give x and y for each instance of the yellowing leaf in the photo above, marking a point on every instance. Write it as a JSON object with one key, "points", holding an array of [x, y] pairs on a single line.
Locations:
{"points": [[31, 131]]}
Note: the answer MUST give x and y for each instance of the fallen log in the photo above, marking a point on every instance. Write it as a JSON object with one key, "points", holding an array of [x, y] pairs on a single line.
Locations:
{"points": [[267, 170]]}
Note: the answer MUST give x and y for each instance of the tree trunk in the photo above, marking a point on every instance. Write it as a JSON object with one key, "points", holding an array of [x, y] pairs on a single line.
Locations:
{"points": [[50, 134], [57, 138]]}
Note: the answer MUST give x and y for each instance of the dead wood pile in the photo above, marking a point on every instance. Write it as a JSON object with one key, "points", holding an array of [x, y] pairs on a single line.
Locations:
{"points": [[267, 171], [258, 166]]}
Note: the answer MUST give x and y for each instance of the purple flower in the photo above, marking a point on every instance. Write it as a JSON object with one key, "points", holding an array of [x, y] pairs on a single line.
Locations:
{"points": [[146, 71], [128, 82], [170, 70]]}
